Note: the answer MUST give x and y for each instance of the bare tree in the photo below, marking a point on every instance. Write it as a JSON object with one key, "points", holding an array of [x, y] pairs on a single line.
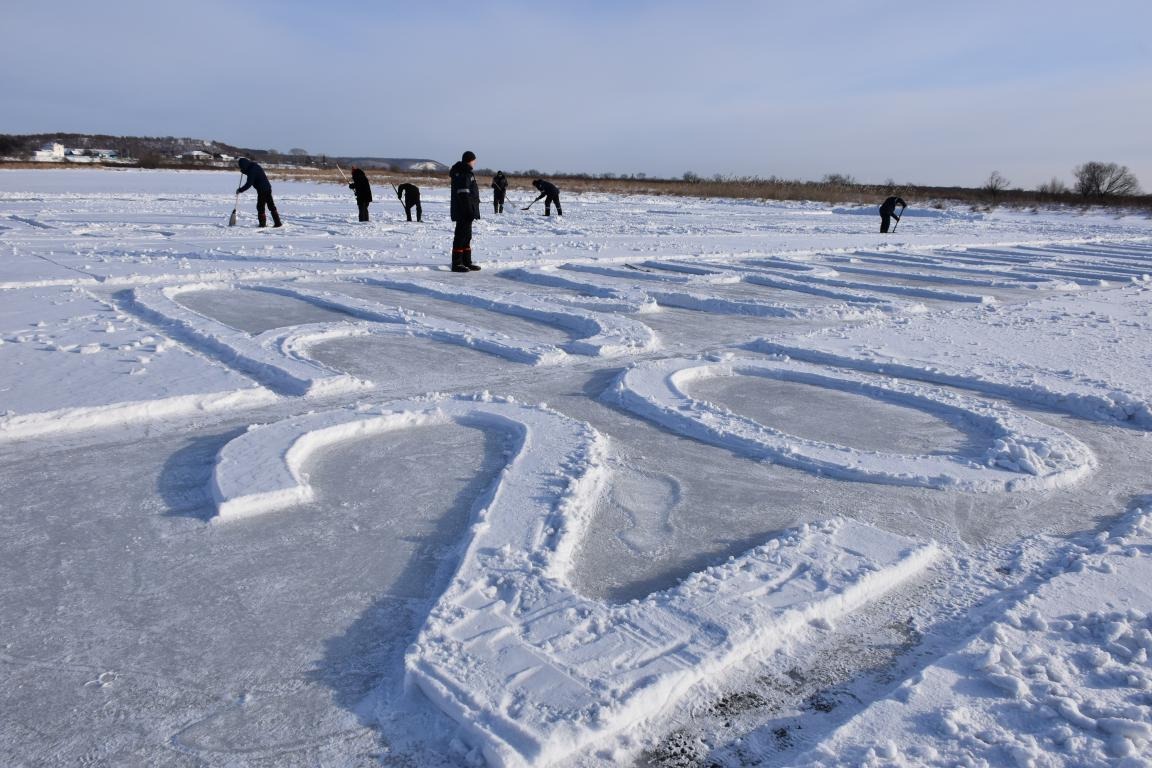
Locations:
{"points": [[1100, 180], [995, 184], [838, 180], [1054, 186]]}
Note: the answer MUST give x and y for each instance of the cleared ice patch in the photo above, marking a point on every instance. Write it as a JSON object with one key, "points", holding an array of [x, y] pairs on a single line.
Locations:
{"points": [[831, 415], [1020, 453], [254, 310]]}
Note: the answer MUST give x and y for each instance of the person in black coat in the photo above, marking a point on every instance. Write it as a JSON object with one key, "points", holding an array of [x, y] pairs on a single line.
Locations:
{"points": [[888, 210], [409, 195], [258, 179], [551, 196], [499, 190], [363, 191], [464, 208]]}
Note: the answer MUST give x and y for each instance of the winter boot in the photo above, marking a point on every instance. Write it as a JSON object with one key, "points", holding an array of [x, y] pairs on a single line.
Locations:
{"points": [[262, 218], [468, 261], [458, 260], [275, 216]]}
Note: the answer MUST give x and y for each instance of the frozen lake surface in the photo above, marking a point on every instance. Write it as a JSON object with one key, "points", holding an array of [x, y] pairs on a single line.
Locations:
{"points": [[671, 482]]}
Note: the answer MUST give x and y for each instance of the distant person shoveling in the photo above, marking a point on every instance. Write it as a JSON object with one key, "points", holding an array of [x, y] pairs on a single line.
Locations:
{"points": [[888, 212]]}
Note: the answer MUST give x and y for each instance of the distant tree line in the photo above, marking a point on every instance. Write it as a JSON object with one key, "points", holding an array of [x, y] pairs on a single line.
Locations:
{"points": [[1095, 182], [843, 188]]}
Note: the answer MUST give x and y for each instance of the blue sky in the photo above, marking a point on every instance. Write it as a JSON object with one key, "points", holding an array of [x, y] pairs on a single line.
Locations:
{"points": [[930, 92]]}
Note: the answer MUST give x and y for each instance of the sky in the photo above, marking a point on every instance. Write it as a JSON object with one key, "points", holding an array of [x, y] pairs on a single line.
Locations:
{"points": [[934, 93]]}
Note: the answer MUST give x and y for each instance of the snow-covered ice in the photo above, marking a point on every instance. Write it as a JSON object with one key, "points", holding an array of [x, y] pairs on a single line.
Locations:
{"points": [[670, 482]]}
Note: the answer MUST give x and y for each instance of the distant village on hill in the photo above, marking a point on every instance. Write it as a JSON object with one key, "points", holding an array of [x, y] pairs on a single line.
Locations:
{"points": [[170, 151]]}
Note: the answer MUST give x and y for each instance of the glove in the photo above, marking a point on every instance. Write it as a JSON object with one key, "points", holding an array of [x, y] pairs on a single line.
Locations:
{"points": [[238, 190]]}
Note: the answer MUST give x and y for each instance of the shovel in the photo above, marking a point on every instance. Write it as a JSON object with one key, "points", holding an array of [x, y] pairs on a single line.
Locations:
{"points": [[232, 218], [898, 218]]}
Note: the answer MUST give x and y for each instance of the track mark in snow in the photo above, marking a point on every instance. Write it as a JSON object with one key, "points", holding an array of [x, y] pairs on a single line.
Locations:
{"points": [[530, 669], [30, 222]]}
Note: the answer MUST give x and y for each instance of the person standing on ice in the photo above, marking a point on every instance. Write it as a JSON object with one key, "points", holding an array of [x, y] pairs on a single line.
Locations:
{"points": [[464, 208], [258, 179], [363, 191], [409, 195], [888, 210], [551, 196], [499, 190]]}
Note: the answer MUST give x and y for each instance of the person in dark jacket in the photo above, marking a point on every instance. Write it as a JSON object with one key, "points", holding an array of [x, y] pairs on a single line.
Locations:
{"points": [[464, 207], [888, 210], [258, 179], [499, 190], [363, 191], [551, 196], [409, 195]]}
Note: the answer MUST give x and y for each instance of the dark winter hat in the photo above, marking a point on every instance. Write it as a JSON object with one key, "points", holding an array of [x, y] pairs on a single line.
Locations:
{"points": [[243, 161], [537, 182], [468, 156]]}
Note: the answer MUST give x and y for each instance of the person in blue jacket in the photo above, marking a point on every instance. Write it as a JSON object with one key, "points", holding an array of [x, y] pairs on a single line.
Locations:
{"points": [[258, 179], [464, 209]]}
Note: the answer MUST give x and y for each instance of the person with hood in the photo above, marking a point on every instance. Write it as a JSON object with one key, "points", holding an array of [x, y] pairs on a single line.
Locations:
{"points": [[551, 196], [258, 179], [409, 195], [499, 190], [363, 191], [888, 210], [464, 208]]}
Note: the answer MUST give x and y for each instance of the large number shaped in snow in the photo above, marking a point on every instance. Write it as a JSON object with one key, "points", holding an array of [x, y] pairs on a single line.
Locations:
{"points": [[1020, 454], [532, 670]]}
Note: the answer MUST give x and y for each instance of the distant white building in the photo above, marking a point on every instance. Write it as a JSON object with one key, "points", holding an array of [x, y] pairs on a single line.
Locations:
{"points": [[75, 155], [196, 156], [49, 153]]}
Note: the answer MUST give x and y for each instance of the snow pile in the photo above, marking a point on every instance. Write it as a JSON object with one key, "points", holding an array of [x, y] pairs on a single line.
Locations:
{"points": [[1064, 679]]}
